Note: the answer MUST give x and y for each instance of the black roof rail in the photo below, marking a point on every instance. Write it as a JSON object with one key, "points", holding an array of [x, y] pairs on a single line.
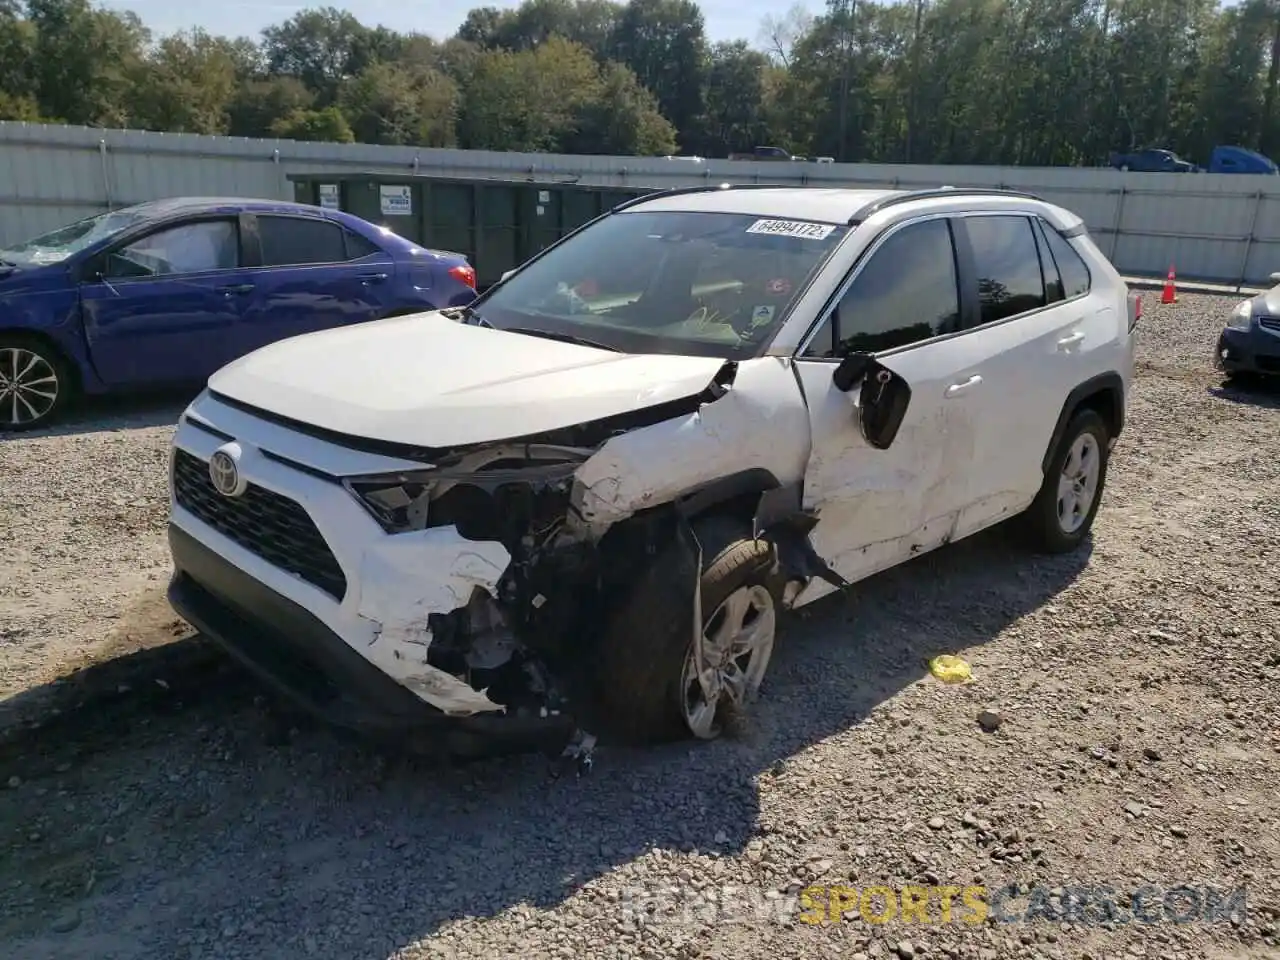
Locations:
{"points": [[933, 193], [700, 188]]}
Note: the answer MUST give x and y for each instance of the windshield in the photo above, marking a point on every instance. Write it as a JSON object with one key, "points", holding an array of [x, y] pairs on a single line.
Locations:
{"points": [[699, 284], [63, 242]]}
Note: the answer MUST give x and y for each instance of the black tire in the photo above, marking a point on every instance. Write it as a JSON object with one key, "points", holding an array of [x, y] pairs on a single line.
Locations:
{"points": [[20, 349], [641, 663], [1041, 521]]}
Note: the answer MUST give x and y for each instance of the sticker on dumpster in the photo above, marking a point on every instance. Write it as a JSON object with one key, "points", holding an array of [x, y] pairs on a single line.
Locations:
{"points": [[329, 196], [792, 228], [397, 201], [544, 196]]}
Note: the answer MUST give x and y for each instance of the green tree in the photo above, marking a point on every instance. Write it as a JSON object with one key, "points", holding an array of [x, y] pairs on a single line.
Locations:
{"points": [[621, 118], [735, 109], [327, 125], [85, 60], [186, 84], [528, 100], [588, 22], [322, 48], [258, 104], [17, 64], [392, 103], [664, 43]]}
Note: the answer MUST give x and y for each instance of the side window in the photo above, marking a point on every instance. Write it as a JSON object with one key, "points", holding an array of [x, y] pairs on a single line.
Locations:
{"points": [[1052, 279], [905, 293], [1008, 268], [358, 246], [188, 248], [1071, 266], [296, 241]]}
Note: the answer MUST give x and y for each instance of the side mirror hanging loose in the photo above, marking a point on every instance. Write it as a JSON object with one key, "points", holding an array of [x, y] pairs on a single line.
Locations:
{"points": [[882, 401]]}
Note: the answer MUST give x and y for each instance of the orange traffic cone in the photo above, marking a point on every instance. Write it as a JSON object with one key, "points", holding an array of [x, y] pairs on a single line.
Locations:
{"points": [[1170, 294]]}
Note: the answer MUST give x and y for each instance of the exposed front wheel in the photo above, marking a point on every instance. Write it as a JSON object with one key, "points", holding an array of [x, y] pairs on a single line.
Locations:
{"points": [[656, 683], [726, 673], [35, 384], [1062, 514]]}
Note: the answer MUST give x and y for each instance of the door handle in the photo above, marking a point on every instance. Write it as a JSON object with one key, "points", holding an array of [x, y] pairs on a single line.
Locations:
{"points": [[1066, 343], [235, 288], [369, 278], [956, 389]]}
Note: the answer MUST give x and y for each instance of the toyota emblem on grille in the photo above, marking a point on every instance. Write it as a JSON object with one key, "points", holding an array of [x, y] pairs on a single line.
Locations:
{"points": [[224, 471]]}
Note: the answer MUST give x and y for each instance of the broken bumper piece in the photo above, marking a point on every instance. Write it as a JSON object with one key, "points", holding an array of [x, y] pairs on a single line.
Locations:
{"points": [[291, 650]]}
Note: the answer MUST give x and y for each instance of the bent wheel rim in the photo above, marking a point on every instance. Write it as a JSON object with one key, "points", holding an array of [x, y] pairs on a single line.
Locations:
{"points": [[737, 643], [1078, 483], [28, 386]]}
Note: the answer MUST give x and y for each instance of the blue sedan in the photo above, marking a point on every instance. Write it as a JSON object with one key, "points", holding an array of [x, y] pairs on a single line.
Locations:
{"points": [[164, 293]]}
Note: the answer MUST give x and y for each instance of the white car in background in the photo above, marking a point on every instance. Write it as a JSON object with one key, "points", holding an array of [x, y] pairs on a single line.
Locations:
{"points": [[581, 502]]}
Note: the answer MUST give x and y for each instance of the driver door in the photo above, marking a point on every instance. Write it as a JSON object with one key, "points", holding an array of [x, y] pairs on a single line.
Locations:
{"points": [[877, 507], [166, 304]]}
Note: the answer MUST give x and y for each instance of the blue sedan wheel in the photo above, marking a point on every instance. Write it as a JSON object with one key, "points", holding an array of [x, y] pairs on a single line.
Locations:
{"points": [[33, 385]]}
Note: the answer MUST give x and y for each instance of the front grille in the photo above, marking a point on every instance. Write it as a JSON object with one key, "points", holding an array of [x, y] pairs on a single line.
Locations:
{"points": [[1271, 323], [274, 527]]}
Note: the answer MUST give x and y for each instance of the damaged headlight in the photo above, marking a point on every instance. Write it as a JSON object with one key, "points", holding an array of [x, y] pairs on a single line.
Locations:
{"points": [[397, 501], [491, 494]]}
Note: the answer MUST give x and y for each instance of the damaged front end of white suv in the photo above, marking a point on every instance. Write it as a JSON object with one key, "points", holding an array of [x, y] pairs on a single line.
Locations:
{"points": [[515, 570], [520, 591], [575, 505]]}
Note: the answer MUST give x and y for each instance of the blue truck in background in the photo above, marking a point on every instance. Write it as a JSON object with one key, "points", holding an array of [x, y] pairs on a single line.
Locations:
{"points": [[1223, 159]]}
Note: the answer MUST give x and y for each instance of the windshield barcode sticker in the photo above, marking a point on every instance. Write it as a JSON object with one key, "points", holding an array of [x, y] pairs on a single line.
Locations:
{"points": [[792, 228]]}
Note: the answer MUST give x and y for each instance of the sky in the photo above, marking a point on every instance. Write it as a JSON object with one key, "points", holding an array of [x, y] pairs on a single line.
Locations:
{"points": [[726, 19]]}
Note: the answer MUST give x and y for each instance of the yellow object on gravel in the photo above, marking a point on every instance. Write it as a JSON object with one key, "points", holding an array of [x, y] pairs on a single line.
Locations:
{"points": [[950, 669]]}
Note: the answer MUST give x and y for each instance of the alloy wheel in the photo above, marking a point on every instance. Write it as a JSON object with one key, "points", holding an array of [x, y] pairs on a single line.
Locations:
{"points": [[29, 387], [737, 643], [1078, 484]]}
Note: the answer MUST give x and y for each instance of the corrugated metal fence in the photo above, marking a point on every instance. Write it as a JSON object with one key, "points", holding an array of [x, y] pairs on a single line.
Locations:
{"points": [[1213, 227]]}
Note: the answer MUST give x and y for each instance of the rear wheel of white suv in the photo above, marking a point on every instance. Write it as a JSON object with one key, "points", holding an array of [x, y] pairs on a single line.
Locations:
{"points": [[1062, 514]]}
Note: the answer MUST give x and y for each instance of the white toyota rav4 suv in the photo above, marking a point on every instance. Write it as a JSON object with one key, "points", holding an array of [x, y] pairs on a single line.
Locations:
{"points": [[582, 502]]}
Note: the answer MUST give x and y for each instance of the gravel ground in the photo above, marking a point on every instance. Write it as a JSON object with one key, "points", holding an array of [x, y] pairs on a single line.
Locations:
{"points": [[157, 805]]}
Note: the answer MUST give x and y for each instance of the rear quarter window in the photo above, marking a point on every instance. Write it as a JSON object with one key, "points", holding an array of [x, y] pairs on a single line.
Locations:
{"points": [[358, 246], [1076, 281]]}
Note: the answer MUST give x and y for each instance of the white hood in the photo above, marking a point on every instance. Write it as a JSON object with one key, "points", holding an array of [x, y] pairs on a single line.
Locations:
{"points": [[429, 381]]}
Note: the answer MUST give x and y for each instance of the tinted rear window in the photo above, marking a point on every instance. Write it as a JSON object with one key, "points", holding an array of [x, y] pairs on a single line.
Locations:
{"points": [[1007, 264], [293, 241]]}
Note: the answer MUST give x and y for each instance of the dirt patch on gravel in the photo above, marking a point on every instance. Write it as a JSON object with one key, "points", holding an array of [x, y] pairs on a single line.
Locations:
{"points": [[157, 804]]}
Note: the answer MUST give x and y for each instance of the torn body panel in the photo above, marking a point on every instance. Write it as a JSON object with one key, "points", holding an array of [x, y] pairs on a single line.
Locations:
{"points": [[403, 583], [759, 423], [868, 499]]}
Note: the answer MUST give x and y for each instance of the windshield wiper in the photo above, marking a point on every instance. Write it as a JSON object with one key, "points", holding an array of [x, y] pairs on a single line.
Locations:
{"points": [[469, 314], [563, 337]]}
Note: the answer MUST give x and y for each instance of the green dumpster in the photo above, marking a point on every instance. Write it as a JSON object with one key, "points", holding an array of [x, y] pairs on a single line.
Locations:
{"points": [[497, 224]]}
